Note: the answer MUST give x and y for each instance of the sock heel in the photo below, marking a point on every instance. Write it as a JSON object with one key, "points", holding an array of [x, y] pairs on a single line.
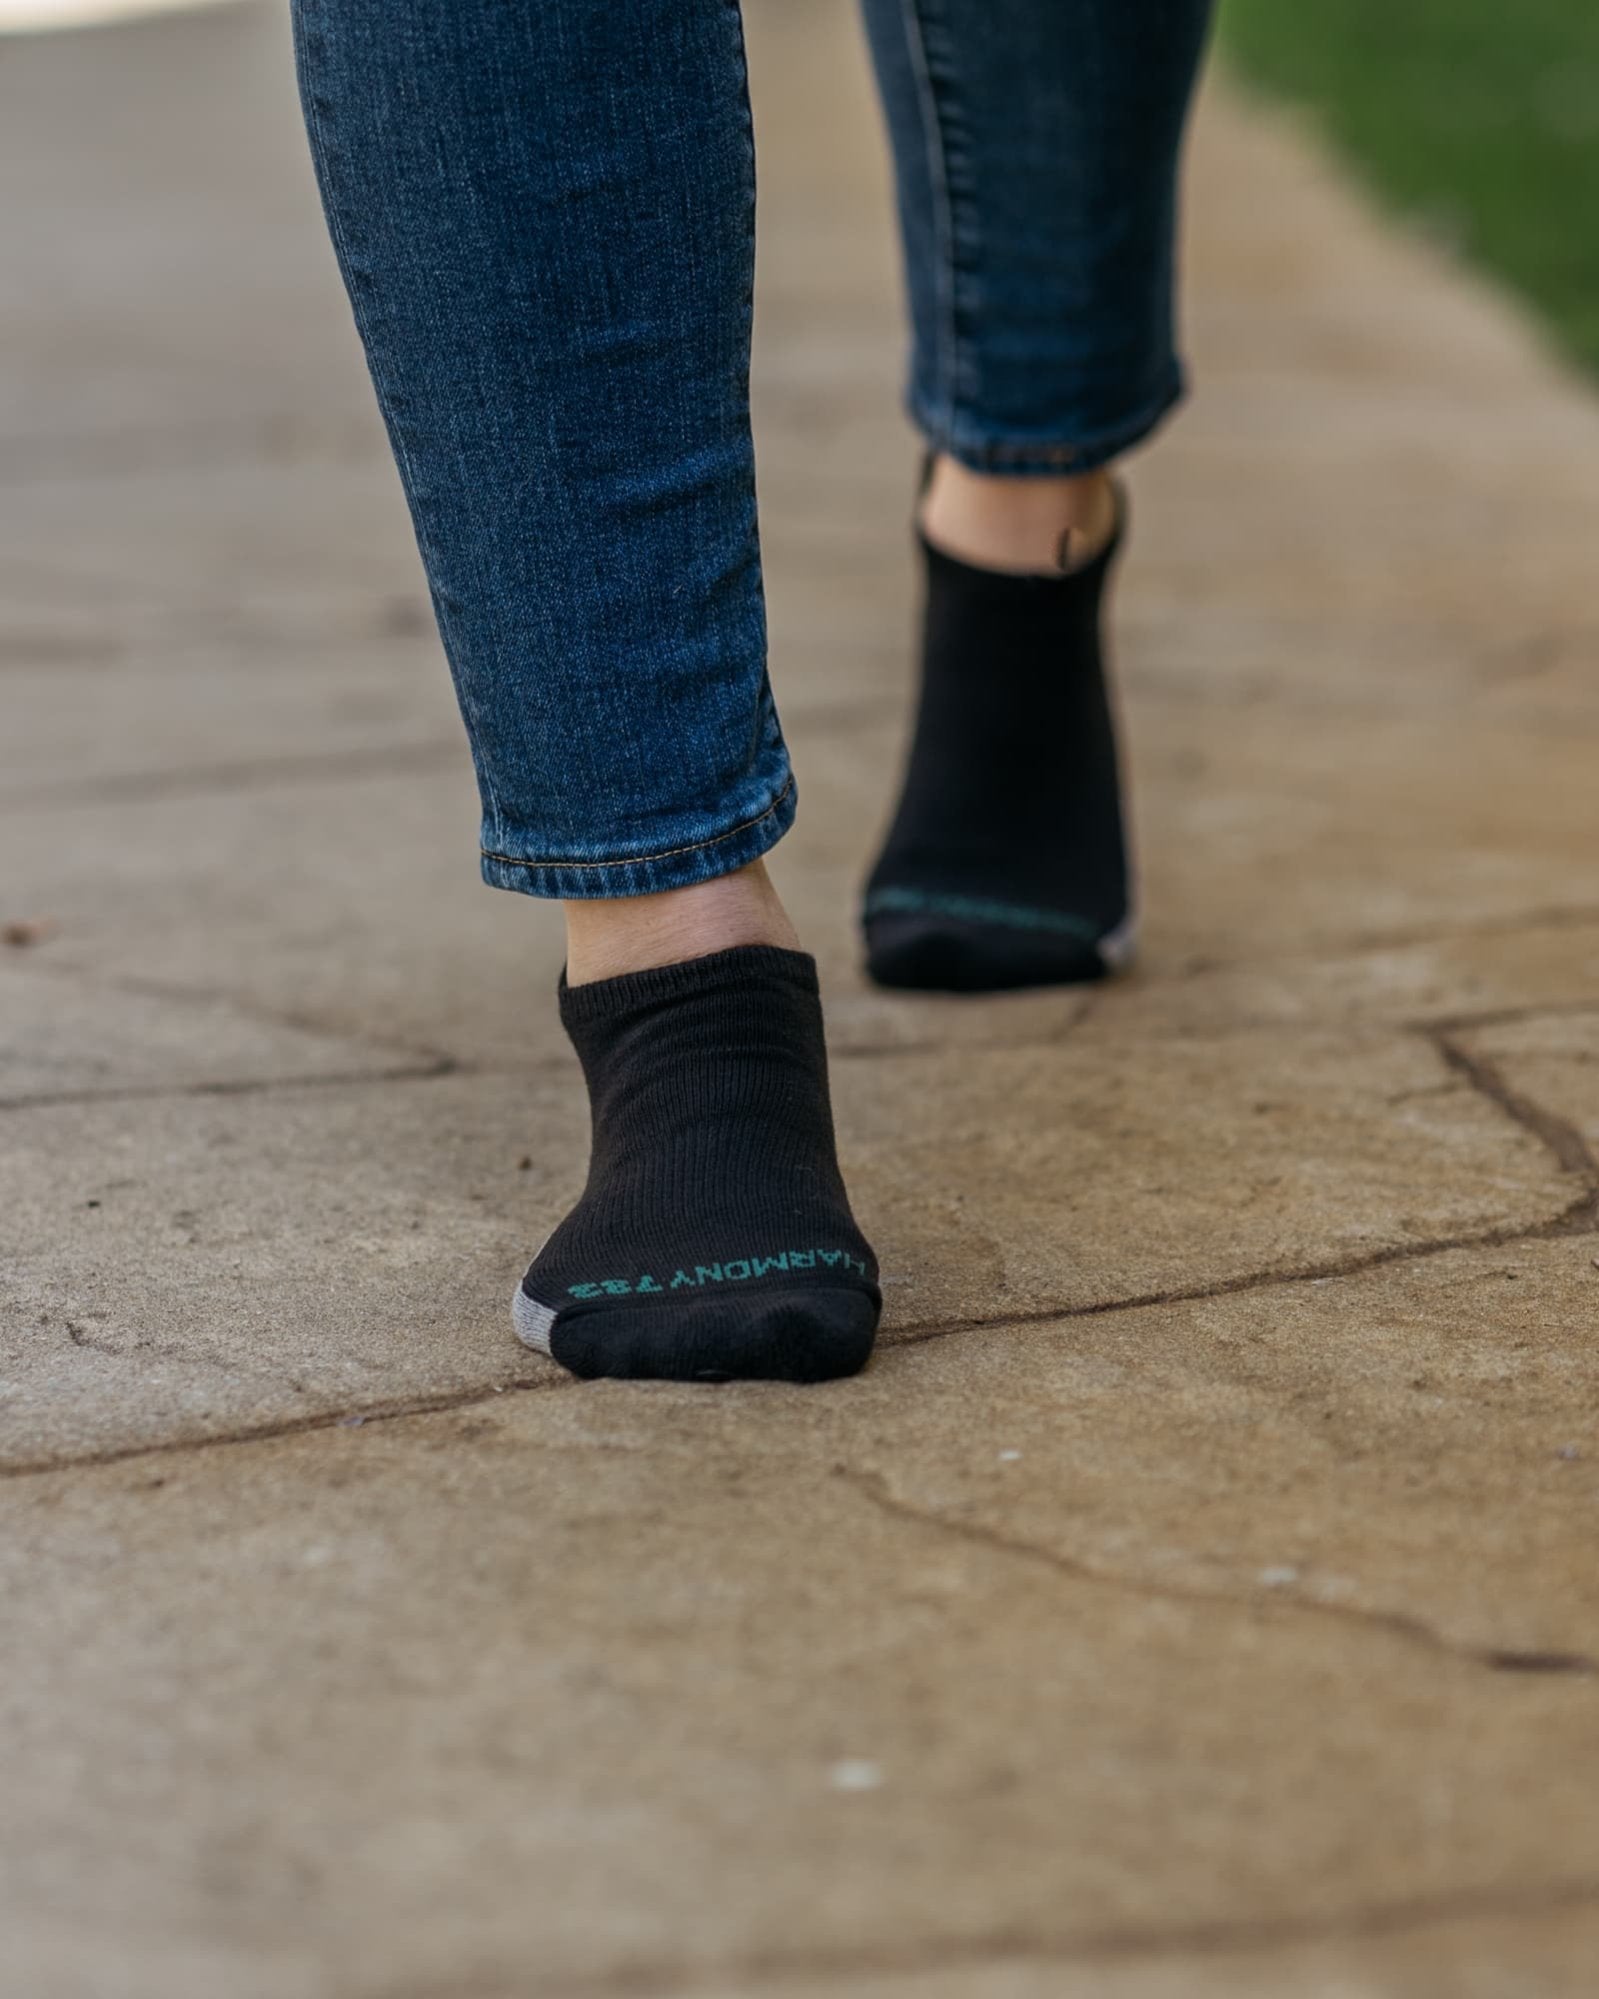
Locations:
{"points": [[1006, 864]]}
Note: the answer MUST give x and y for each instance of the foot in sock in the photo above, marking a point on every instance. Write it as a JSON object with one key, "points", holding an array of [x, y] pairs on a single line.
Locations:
{"points": [[1006, 864], [714, 1239]]}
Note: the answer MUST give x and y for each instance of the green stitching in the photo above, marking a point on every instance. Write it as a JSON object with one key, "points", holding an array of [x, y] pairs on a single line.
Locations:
{"points": [[977, 909]]}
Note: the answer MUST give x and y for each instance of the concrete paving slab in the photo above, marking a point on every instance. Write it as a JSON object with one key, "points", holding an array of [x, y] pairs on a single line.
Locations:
{"points": [[166, 293], [291, 1254], [1518, 668], [123, 729], [270, 876], [1238, 1643], [186, 1266], [301, 895], [64, 1040], [1417, 1448], [1351, 832], [273, 883], [213, 551], [1061, 1178], [1550, 1060], [1259, 843], [665, 1689], [1519, 965], [299, 549], [1259, 834], [1543, 1948]]}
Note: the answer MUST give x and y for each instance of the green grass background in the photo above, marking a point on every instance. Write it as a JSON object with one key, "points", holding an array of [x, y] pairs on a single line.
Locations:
{"points": [[1477, 118]]}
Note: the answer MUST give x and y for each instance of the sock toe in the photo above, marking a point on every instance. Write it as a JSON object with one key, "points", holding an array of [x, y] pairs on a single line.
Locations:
{"points": [[814, 1333], [714, 1239], [934, 953]]}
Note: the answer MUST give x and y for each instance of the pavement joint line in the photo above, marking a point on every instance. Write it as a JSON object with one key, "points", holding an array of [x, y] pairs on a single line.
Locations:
{"points": [[1578, 1219], [1504, 1016], [298, 1426], [248, 1086], [254, 775], [1102, 1002], [1245, 1935], [1558, 1135], [1557, 916], [431, 1060], [1396, 1624], [1561, 1139], [901, 1339]]}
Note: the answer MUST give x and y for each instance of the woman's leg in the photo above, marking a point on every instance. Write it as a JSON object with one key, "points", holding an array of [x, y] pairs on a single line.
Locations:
{"points": [[1036, 150], [544, 211]]}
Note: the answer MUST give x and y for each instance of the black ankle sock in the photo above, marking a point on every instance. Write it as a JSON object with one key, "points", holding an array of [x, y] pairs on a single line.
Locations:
{"points": [[1006, 864], [714, 1238]]}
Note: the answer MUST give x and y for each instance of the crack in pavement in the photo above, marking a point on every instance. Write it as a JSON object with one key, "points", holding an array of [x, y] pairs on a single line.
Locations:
{"points": [[1397, 1624], [1481, 1074], [1576, 1220], [1557, 1135], [1483, 1018], [1243, 1935], [289, 1426], [295, 1021], [252, 1086], [1580, 1217]]}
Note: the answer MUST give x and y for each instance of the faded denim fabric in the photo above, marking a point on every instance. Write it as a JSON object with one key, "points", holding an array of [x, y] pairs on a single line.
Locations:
{"points": [[544, 212]]}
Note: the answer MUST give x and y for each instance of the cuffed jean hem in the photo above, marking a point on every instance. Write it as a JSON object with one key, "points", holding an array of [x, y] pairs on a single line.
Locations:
{"points": [[648, 874], [975, 445]]}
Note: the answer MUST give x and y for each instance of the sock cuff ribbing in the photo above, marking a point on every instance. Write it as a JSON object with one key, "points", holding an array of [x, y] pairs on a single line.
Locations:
{"points": [[718, 971]]}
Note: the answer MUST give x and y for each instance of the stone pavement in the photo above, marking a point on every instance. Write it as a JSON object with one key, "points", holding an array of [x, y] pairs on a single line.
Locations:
{"points": [[1198, 1595]]}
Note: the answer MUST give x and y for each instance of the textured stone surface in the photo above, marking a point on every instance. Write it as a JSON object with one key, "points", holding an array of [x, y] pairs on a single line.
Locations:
{"points": [[64, 1040], [1240, 1641], [658, 1686], [1538, 1948], [192, 1264], [207, 717], [180, 1266]]}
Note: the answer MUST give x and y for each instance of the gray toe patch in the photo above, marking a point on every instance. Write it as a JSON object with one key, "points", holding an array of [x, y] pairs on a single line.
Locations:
{"points": [[532, 1321]]}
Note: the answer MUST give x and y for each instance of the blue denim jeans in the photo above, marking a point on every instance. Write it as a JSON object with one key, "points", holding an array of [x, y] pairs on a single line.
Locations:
{"points": [[544, 211]]}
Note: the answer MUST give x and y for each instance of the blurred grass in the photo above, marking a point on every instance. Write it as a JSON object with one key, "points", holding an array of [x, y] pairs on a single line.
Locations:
{"points": [[1478, 119]]}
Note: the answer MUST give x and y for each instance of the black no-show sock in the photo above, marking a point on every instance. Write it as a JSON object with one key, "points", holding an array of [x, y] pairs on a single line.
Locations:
{"points": [[714, 1239], [1006, 864]]}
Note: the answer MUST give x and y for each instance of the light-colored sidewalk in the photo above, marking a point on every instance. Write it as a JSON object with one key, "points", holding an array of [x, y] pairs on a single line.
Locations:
{"points": [[1197, 1598]]}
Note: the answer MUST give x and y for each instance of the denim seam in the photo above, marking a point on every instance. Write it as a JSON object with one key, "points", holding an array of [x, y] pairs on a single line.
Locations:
{"points": [[943, 208], [945, 432], [645, 860]]}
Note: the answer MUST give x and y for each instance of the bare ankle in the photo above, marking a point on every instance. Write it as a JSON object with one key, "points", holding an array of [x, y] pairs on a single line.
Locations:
{"points": [[605, 939], [1026, 525]]}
